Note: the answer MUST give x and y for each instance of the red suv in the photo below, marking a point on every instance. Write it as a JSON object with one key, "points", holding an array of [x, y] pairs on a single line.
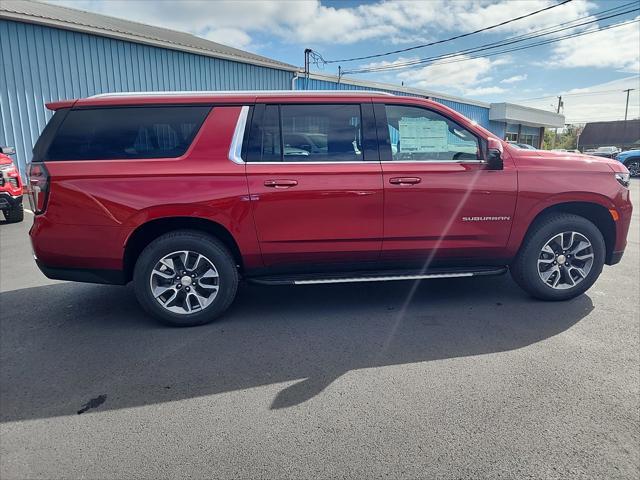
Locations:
{"points": [[186, 193], [10, 188]]}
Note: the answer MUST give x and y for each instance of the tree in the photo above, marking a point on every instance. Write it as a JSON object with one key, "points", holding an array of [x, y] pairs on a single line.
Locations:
{"points": [[567, 138]]}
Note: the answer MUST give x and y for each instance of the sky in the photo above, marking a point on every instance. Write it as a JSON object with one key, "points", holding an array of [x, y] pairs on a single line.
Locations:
{"points": [[589, 71]]}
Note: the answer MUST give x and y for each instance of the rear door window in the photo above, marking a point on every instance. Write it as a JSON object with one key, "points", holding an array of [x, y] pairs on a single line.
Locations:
{"points": [[321, 133], [308, 133], [127, 133]]}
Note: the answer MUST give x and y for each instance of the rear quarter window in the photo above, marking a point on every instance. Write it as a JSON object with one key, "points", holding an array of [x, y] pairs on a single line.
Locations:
{"points": [[116, 133]]}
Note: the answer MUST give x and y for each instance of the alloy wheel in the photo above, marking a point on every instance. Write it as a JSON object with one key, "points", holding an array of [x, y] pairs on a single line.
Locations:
{"points": [[565, 260], [184, 282]]}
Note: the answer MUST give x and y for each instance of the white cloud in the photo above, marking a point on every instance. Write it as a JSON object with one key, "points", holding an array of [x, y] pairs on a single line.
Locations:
{"points": [[388, 63], [483, 13], [229, 36], [514, 79], [591, 105], [451, 76], [480, 91], [615, 48], [309, 21]]}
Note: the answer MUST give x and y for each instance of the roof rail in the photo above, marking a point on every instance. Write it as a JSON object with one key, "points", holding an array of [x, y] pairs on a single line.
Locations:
{"points": [[243, 92]]}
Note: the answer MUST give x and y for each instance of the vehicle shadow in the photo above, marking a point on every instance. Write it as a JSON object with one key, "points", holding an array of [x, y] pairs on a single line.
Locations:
{"points": [[67, 345]]}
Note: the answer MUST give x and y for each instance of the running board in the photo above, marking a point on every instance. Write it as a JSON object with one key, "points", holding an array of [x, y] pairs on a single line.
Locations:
{"points": [[353, 277]]}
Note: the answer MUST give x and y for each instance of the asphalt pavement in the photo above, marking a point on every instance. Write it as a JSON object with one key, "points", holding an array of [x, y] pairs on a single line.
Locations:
{"points": [[464, 378]]}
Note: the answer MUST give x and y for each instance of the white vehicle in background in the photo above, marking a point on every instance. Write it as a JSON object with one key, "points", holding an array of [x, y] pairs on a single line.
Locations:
{"points": [[524, 146], [606, 152]]}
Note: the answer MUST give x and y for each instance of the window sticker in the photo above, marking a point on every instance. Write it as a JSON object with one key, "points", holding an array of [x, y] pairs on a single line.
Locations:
{"points": [[422, 135]]}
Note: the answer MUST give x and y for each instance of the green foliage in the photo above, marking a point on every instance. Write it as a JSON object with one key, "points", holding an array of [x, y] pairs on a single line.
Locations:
{"points": [[566, 138]]}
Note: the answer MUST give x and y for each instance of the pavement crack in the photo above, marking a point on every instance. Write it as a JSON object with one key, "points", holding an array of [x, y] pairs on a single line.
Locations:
{"points": [[93, 403]]}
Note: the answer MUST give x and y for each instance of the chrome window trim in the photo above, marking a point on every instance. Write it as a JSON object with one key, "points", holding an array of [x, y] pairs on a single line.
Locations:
{"points": [[365, 162], [235, 150], [257, 93], [433, 161], [362, 162]]}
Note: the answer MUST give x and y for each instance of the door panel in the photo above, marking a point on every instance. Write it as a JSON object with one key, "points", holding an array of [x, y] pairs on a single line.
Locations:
{"points": [[332, 214], [441, 202], [444, 215], [315, 183]]}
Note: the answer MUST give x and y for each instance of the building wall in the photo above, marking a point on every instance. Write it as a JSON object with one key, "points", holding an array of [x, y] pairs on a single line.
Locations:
{"points": [[40, 64], [474, 112]]}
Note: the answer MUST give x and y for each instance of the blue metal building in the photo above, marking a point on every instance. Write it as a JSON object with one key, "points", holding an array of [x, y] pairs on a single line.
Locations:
{"points": [[49, 52]]}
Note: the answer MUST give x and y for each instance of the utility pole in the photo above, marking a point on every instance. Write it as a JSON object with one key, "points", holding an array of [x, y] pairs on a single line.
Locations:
{"points": [[626, 108], [307, 52], [560, 104]]}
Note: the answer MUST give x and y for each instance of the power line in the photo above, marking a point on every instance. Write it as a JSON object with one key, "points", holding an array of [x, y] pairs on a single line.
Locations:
{"points": [[467, 58], [590, 16], [402, 50], [593, 120], [488, 46], [585, 94], [501, 43]]}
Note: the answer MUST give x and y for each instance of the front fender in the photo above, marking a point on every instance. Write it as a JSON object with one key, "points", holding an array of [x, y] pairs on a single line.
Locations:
{"points": [[529, 209]]}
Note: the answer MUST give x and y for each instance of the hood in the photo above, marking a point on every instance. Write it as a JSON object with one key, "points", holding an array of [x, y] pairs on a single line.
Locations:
{"points": [[565, 160]]}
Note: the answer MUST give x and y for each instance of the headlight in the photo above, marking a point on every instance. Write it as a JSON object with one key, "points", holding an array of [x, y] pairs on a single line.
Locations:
{"points": [[623, 179]]}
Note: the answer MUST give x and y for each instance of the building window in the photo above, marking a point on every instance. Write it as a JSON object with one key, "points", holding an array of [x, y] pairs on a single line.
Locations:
{"points": [[530, 139], [511, 137]]}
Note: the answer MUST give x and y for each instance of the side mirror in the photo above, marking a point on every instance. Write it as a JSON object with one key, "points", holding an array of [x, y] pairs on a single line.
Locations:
{"points": [[9, 150], [494, 154], [494, 160]]}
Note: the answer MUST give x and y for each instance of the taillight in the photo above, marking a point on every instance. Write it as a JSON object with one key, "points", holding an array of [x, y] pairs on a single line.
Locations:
{"points": [[38, 187]]}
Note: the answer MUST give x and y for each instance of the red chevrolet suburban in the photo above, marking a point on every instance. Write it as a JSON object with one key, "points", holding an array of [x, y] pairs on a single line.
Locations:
{"points": [[186, 193]]}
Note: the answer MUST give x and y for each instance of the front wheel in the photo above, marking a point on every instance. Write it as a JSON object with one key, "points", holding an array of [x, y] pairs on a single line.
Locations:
{"points": [[561, 257], [185, 278]]}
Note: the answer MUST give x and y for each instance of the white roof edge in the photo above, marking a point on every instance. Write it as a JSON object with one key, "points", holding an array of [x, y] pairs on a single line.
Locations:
{"points": [[525, 107], [77, 27], [257, 93], [525, 115], [398, 88]]}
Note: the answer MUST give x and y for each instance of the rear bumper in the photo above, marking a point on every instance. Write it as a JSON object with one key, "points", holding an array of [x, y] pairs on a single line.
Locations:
{"points": [[112, 277], [8, 201]]}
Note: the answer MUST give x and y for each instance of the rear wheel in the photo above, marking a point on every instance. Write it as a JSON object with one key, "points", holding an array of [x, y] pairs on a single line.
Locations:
{"points": [[185, 278], [14, 215], [561, 257]]}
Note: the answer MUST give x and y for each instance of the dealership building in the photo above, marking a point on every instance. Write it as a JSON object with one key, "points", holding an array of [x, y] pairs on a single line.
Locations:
{"points": [[49, 53]]}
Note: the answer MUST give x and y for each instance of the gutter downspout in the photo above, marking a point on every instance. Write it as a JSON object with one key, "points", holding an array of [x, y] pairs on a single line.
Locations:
{"points": [[294, 80]]}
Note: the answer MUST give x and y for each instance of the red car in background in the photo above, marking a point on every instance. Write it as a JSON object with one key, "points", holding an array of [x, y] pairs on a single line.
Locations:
{"points": [[10, 188]]}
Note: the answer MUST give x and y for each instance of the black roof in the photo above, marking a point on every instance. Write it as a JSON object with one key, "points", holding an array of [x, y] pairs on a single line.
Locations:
{"points": [[618, 133]]}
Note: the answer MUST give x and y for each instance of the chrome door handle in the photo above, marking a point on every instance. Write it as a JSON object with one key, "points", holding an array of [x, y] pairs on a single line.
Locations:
{"points": [[280, 183], [404, 180]]}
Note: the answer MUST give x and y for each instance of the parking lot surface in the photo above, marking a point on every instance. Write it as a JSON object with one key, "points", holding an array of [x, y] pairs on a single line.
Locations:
{"points": [[466, 378]]}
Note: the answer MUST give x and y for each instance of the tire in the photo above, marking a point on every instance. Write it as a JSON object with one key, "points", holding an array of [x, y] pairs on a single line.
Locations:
{"points": [[185, 309], [633, 164], [545, 232], [14, 215]]}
